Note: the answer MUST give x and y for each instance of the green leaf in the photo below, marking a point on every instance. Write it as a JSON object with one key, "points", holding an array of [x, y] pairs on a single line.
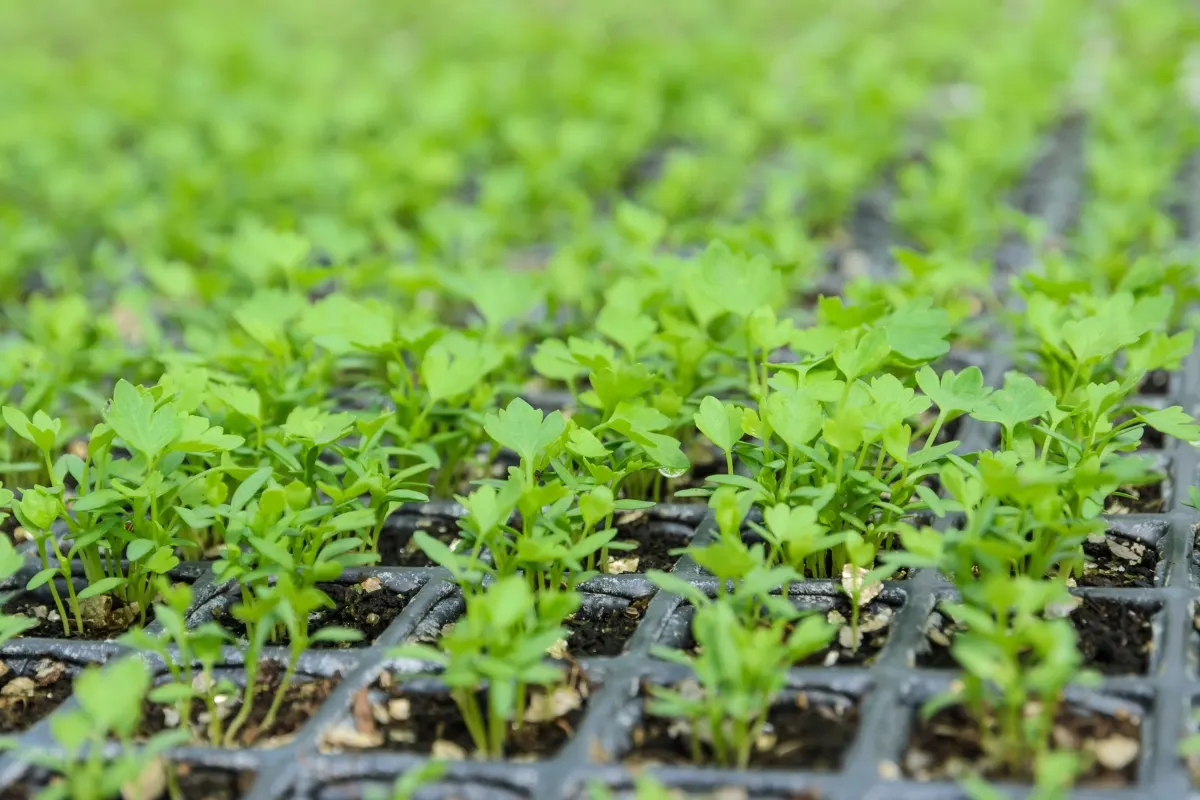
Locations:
{"points": [[917, 331], [596, 505], [243, 400], [336, 633], [102, 586], [721, 423], [42, 430], [138, 548], [70, 730], [553, 359], [41, 577], [341, 325], [164, 560], [197, 436], [248, 488], [133, 416], [796, 418], [1094, 338], [100, 498], [112, 697], [522, 429], [272, 550], [311, 424], [952, 393], [584, 443], [856, 357], [171, 693], [1020, 400], [452, 368], [1173, 421], [626, 326]]}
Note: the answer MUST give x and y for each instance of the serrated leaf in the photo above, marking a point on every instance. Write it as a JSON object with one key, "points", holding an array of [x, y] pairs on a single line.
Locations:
{"points": [[1020, 400], [856, 356], [133, 416], [1173, 421], [954, 393], [584, 443], [522, 428]]}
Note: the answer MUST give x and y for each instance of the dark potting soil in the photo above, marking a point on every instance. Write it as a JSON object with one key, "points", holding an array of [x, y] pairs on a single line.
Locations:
{"points": [[109, 623], [799, 736], [301, 700], [1114, 637], [875, 623], [1104, 568], [354, 607], [26, 699], [1152, 440], [934, 651], [604, 633], [1146, 499], [397, 548], [422, 722], [205, 783], [947, 746], [1156, 382], [654, 540]]}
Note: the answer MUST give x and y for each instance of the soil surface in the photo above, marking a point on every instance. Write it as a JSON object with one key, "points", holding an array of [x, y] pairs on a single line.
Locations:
{"points": [[874, 625], [26, 699], [1114, 637], [204, 783], [934, 652], [301, 700], [104, 617], [1108, 563], [606, 632], [1156, 382], [947, 747], [1151, 440], [654, 543], [430, 722], [799, 736], [1147, 499], [366, 607], [397, 548]]}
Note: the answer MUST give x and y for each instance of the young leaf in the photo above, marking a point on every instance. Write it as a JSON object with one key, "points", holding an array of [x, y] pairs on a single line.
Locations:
{"points": [[522, 429], [1173, 421], [856, 357], [133, 416], [720, 422]]}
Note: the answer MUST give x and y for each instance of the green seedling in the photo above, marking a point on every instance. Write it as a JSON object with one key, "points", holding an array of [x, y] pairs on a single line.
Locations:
{"points": [[110, 707], [181, 649], [495, 654], [740, 671]]}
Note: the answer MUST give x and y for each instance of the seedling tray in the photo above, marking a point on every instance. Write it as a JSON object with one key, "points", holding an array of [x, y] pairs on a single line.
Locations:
{"points": [[884, 694]]}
